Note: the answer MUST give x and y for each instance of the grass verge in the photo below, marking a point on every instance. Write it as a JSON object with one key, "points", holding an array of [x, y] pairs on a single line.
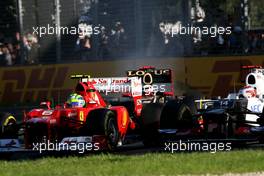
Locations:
{"points": [[148, 164]]}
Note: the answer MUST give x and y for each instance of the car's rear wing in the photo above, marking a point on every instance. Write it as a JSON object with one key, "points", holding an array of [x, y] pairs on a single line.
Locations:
{"points": [[154, 80], [114, 85], [148, 79]]}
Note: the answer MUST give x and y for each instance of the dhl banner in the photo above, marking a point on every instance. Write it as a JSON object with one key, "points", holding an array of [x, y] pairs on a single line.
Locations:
{"points": [[219, 75], [208, 76]]}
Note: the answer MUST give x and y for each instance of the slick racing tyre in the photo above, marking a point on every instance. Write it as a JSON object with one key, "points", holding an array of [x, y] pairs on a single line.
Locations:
{"points": [[8, 127], [103, 122], [190, 102], [176, 114], [150, 117]]}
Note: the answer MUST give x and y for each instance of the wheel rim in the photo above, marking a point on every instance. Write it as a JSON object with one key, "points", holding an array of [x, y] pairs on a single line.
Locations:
{"points": [[11, 122], [112, 132], [7, 128]]}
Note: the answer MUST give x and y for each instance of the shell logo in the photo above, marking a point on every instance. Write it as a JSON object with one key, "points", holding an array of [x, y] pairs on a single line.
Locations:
{"points": [[81, 116], [124, 119]]}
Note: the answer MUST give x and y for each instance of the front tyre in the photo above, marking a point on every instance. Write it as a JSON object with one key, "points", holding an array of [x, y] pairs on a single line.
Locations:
{"points": [[8, 126], [103, 122], [111, 132]]}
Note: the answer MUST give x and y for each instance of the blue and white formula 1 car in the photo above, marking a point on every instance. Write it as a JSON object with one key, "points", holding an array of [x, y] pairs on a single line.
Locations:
{"points": [[238, 117]]}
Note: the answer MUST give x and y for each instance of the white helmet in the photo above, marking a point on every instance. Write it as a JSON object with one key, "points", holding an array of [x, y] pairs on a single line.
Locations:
{"points": [[247, 92]]}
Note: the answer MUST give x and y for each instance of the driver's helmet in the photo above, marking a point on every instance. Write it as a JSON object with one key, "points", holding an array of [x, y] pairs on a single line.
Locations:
{"points": [[247, 92], [75, 100]]}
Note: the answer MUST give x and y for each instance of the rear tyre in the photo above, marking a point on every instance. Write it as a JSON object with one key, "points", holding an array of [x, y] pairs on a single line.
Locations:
{"points": [[190, 102], [176, 114], [103, 122], [8, 126], [151, 123]]}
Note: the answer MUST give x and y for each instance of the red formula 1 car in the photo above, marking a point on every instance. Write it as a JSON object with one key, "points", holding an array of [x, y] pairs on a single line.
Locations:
{"points": [[103, 122]]}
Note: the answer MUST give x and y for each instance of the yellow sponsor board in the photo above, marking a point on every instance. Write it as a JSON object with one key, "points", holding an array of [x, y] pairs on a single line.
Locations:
{"points": [[216, 76], [206, 75]]}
